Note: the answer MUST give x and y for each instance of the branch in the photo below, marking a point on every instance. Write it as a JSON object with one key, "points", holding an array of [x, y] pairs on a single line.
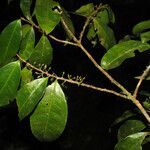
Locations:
{"points": [[142, 77], [51, 36], [71, 80], [124, 90], [62, 41]]}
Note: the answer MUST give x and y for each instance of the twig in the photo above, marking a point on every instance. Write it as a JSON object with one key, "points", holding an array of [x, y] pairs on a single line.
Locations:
{"points": [[142, 77], [62, 41], [72, 81], [49, 35]]}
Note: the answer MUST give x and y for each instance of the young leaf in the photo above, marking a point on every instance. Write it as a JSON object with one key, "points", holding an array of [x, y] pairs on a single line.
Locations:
{"points": [[26, 76], [103, 16], [106, 16], [130, 127], [25, 7], [46, 16], [68, 21], [91, 35], [10, 41], [145, 37], [85, 10], [49, 118], [29, 95], [43, 52], [120, 52], [9, 82], [105, 34], [27, 44], [132, 142], [140, 27]]}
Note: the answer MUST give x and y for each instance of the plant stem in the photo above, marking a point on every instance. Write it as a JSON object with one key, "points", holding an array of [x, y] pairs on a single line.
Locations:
{"points": [[72, 81], [124, 90], [145, 73]]}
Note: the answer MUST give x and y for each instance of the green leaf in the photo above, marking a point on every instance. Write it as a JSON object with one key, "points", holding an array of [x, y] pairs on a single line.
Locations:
{"points": [[46, 17], [105, 34], [131, 142], [122, 51], [49, 118], [130, 127], [26, 76], [10, 41], [103, 16], [25, 29], [85, 10], [29, 96], [140, 27], [68, 21], [126, 115], [146, 103], [27, 44], [25, 7], [43, 52], [91, 35], [145, 37], [9, 82]]}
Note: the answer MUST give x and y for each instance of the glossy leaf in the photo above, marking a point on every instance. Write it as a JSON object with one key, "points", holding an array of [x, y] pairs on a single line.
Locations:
{"points": [[9, 82], [145, 37], [25, 7], [131, 142], [122, 51], [26, 76], [49, 118], [46, 16], [130, 127], [43, 52], [29, 95], [68, 21], [10, 41], [140, 27], [27, 44], [85, 10], [105, 34]]}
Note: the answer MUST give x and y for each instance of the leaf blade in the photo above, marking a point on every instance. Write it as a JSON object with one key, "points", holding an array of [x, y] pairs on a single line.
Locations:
{"points": [[29, 95], [85, 10], [25, 7], [105, 34], [130, 127], [140, 27], [9, 82], [122, 51], [49, 119], [132, 142], [10, 39], [46, 17], [27, 44], [43, 52]]}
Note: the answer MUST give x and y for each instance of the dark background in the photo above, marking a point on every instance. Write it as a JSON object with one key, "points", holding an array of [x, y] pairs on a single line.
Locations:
{"points": [[90, 113]]}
